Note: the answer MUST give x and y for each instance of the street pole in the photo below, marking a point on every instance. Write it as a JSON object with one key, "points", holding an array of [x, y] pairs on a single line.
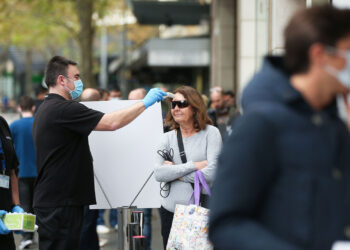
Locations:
{"points": [[103, 59]]}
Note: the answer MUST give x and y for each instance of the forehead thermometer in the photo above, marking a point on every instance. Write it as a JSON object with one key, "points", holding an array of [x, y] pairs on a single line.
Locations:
{"points": [[170, 95]]}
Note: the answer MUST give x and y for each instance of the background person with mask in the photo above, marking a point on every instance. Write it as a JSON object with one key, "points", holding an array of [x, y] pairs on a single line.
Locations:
{"points": [[283, 179], [9, 198], [65, 172]]}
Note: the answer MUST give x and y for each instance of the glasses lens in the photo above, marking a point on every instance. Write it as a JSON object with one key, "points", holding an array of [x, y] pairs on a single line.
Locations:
{"points": [[181, 104]]}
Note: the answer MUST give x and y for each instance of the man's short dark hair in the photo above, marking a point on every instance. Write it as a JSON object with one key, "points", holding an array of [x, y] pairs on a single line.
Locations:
{"points": [[322, 24], [230, 93], [26, 103], [58, 65]]}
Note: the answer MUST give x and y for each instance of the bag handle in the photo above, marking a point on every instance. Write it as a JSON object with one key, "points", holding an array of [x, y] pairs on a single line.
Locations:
{"points": [[199, 181]]}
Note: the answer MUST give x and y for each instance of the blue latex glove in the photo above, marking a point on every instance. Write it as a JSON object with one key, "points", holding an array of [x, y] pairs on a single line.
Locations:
{"points": [[153, 96], [17, 209], [3, 228]]}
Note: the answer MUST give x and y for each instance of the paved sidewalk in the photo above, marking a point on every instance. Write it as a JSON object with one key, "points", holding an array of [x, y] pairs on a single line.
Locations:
{"points": [[112, 243]]}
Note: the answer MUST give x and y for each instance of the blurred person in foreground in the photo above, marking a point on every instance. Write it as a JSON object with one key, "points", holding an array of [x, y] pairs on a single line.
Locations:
{"points": [[65, 182], [9, 198], [22, 135], [283, 179], [139, 94], [202, 144]]}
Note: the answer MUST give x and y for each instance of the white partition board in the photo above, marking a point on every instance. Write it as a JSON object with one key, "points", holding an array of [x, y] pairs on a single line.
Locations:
{"points": [[124, 159]]}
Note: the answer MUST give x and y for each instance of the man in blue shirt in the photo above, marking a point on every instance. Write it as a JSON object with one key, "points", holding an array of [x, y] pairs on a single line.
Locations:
{"points": [[22, 135], [283, 180]]}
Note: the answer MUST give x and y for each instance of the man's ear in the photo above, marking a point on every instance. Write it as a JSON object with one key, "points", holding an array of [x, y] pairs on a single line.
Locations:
{"points": [[60, 80], [317, 54]]}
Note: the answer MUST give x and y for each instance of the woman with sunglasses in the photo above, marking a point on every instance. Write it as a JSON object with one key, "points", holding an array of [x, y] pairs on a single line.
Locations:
{"points": [[202, 143]]}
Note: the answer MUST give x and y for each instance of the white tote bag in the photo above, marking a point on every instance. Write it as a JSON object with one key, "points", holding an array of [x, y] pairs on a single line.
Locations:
{"points": [[189, 230]]}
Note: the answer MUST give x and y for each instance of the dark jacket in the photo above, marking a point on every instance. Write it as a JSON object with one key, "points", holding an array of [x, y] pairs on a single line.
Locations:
{"points": [[283, 180], [11, 163]]}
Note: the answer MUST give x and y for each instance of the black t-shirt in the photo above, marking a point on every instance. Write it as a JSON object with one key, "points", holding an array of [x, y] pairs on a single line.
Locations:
{"points": [[11, 162], [64, 162]]}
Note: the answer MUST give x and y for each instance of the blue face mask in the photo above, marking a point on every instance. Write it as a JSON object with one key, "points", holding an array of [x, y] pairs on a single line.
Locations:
{"points": [[343, 75], [78, 89]]}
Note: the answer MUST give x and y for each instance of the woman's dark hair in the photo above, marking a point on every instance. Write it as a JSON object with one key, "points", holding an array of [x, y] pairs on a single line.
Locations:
{"points": [[322, 24], [200, 117], [58, 65]]}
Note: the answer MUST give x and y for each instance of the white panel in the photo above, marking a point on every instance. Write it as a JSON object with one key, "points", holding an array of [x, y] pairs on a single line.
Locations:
{"points": [[123, 159]]}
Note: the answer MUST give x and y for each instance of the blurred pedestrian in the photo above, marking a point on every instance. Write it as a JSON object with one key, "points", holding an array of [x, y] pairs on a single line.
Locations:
{"points": [[9, 201], [219, 111], [283, 178], [104, 94], [202, 143], [115, 93], [90, 94], [22, 136], [40, 93], [61, 127]]}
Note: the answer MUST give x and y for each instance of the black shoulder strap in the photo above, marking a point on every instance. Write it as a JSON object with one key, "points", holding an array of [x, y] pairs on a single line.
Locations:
{"points": [[181, 146]]}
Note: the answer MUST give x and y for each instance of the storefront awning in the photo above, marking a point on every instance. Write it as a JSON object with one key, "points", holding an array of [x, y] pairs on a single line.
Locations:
{"points": [[183, 52], [170, 13]]}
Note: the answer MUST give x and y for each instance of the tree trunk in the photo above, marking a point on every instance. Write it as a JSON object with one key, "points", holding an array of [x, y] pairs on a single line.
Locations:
{"points": [[86, 36], [29, 87]]}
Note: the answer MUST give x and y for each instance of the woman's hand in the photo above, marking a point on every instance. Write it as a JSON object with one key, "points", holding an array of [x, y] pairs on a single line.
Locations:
{"points": [[168, 163], [200, 164]]}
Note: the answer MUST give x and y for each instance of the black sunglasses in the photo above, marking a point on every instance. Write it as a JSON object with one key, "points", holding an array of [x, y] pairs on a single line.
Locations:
{"points": [[181, 104]]}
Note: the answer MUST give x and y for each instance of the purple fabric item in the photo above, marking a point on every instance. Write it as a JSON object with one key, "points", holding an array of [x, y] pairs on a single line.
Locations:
{"points": [[199, 181]]}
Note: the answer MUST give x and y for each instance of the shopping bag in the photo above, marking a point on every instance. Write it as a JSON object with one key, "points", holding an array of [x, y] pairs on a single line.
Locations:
{"points": [[189, 230]]}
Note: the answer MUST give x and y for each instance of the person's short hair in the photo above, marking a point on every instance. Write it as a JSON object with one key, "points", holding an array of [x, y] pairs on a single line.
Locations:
{"points": [[58, 65], [321, 24], [40, 90], [103, 91], [26, 103], [195, 100], [230, 93]]}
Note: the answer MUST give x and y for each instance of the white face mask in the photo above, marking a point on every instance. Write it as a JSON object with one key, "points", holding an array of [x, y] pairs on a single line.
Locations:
{"points": [[343, 75]]}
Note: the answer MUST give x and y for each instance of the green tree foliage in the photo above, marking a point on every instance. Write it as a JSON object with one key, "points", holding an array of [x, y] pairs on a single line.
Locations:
{"points": [[48, 26]]}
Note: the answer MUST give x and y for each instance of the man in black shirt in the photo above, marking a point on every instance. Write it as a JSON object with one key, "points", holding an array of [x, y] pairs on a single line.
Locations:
{"points": [[65, 172]]}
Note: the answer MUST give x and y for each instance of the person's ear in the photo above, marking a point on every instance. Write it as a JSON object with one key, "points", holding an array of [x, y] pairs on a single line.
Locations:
{"points": [[317, 54], [61, 80]]}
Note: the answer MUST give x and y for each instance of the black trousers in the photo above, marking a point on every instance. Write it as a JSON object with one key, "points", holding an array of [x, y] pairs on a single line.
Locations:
{"points": [[88, 234], [166, 220], [59, 227], [7, 242], [26, 190]]}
